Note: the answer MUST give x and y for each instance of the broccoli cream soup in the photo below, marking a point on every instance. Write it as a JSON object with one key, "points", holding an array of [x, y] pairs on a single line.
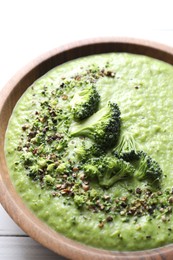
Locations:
{"points": [[89, 148]]}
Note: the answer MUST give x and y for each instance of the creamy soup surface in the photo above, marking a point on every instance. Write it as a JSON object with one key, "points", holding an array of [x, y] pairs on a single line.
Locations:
{"points": [[113, 192]]}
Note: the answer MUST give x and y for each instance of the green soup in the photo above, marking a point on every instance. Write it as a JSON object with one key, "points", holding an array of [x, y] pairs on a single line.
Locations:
{"points": [[46, 163]]}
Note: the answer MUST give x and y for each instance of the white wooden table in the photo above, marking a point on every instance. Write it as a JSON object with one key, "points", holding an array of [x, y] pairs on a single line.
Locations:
{"points": [[31, 27], [15, 244]]}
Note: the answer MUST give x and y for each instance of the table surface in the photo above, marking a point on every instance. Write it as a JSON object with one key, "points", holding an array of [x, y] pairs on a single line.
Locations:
{"points": [[30, 28]]}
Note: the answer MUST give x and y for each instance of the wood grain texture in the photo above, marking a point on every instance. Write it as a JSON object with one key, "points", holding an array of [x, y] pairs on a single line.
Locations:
{"points": [[15, 244], [7, 225], [24, 248], [8, 98]]}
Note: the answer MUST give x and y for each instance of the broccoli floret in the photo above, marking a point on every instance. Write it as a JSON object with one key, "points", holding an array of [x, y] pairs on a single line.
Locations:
{"points": [[49, 180], [91, 169], [145, 166], [85, 103], [79, 200], [103, 127], [27, 158], [126, 147], [108, 170], [63, 167], [80, 152], [131, 156], [34, 171], [95, 151], [84, 153]]}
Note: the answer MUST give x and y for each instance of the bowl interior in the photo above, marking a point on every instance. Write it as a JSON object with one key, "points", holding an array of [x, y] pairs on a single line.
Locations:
{"points": [[10, 95]]}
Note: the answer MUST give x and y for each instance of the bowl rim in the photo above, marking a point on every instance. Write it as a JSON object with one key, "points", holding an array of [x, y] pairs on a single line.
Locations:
{"points": [[9, 198]]}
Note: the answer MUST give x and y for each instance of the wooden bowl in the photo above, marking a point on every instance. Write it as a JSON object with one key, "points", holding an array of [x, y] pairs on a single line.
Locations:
{"points": [[8, 98]]}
